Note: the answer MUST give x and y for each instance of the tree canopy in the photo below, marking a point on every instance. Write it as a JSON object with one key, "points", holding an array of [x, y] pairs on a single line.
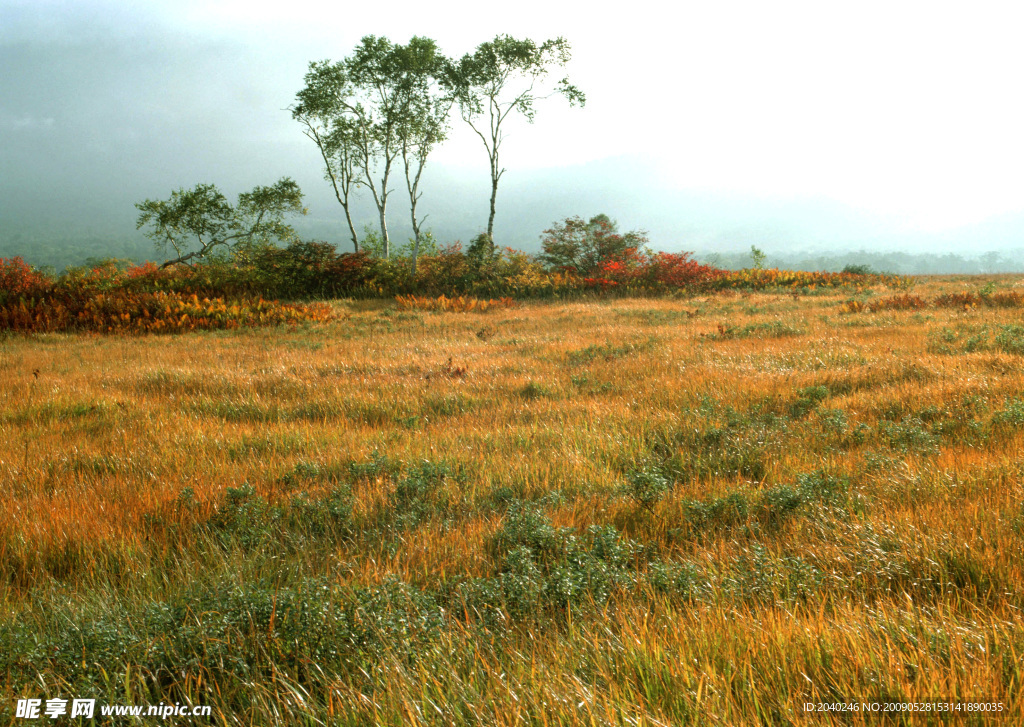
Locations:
{"points": [[196, 222], [381, 104], [503, 76], [583, 248]]}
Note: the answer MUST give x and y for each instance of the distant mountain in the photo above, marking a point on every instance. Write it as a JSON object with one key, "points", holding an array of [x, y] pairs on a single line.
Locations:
{"points": [[629, 189]]}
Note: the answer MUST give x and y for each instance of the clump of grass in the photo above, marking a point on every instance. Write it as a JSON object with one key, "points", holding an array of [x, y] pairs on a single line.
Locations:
{"points": [[533, 390], [768, 329], [909, 435], [806, 400], [959, 340], [249, 521], [608, 351], [421, 494], [1010, 339]]}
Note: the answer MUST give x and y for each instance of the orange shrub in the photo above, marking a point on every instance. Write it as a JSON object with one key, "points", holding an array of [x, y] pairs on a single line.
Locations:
{"points": [[958, 300], [128, 312], [899, 302], [17, 279], [460, 304]]}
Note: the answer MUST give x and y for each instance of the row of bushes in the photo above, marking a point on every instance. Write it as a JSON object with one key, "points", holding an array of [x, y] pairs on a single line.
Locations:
{"points": [[966, 301], [304, 270], [113, 298]]}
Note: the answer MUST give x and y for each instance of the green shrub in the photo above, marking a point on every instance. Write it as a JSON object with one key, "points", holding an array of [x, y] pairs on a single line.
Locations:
{"points": [[647, 485], [1010, 339]]}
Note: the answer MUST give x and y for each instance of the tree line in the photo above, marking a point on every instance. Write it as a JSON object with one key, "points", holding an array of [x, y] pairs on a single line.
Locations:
{"points": [[375, 115]]}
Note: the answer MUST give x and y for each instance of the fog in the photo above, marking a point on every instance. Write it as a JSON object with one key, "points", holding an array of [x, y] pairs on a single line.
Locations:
{"points": [[802, 132]]}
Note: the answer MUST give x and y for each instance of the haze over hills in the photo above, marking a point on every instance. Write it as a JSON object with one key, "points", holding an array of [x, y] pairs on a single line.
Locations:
{"points": [[630, 190], [713, 136]]}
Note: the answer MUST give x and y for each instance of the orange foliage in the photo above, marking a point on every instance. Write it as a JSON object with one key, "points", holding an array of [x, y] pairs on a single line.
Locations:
{"points": [[899, 302], [459, 304], [124, 311]]}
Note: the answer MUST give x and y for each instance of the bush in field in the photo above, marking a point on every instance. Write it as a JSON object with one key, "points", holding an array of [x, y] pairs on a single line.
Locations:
{"points": [[300, 270], [588, 249], [647, 486], [448, 270], [900, 302], [18, 279], [679, 269], [226, 287], [126, 311]]}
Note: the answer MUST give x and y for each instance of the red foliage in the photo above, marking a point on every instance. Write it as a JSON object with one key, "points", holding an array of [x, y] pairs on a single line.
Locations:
{"points": [[676, 270], [351, 270], [17, 279]]}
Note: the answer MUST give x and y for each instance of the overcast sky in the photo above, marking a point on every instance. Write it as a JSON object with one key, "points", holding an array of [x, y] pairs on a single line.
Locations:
{"points": [[910, 113]]}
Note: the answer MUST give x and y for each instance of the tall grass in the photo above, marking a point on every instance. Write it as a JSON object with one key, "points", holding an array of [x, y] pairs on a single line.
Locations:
{"points": [[605, 512]]}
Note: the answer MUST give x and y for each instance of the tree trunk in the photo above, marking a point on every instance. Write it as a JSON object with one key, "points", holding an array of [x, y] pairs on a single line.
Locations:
{"points": [[352, 229], [495, 176], [384, 231], [490, 219]]}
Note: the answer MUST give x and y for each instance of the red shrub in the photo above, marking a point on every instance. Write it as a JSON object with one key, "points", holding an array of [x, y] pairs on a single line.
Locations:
{"points": [[678, 269], [18, 279]]}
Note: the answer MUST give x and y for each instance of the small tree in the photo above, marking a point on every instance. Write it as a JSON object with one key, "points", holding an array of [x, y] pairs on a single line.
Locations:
{"points": [[502, 76], [584, 248], [194, 223]]}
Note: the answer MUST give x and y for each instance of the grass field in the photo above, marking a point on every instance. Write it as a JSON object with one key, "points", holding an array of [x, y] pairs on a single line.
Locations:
{"points": [[626, 511]]}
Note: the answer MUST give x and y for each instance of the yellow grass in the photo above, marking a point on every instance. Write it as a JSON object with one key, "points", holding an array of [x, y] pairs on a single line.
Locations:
{"points": [[99, 437]]}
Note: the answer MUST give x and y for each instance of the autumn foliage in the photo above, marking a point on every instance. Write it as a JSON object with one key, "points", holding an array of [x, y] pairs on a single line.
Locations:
{"points": [[459, 304], [578, 259], [108, 300]]}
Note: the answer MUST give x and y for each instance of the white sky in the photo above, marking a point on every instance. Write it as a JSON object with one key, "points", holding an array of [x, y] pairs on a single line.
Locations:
{"points": [[913, 111]]}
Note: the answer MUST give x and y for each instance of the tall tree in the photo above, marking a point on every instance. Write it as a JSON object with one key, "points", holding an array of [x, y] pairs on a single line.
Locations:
{"points": [[502, 76], [197, 222], [425, 124], [380, 104], [335, 136]]}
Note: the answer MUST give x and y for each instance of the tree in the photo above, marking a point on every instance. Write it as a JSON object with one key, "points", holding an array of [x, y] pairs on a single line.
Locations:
{"points": [[584, 248], [381, 103], [196, 222], [335, 137], [426, 123], [502, 76]]}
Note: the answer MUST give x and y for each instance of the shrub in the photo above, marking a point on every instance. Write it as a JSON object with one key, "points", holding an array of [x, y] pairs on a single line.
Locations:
{"points": [[678, 270], [858, 269], [18, 279], [647, 486], [525, 526], [958, 300], [807, 399], [899, 302], [419, 495], [587, 249], [300, 270], [124, 311], [1010, 339]]}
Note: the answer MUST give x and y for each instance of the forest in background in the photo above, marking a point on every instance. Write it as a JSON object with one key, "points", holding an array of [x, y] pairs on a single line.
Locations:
{"points": [[60, 252]]}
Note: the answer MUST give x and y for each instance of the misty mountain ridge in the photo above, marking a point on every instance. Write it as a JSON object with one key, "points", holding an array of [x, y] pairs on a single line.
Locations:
{"points": [[627, 188]]}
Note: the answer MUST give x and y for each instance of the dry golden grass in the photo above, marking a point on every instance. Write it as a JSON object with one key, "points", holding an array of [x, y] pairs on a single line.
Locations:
{"points": [[117, 453]]}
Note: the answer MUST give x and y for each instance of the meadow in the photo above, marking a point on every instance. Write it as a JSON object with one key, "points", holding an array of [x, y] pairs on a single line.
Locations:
{"points": [[706, 509]]}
